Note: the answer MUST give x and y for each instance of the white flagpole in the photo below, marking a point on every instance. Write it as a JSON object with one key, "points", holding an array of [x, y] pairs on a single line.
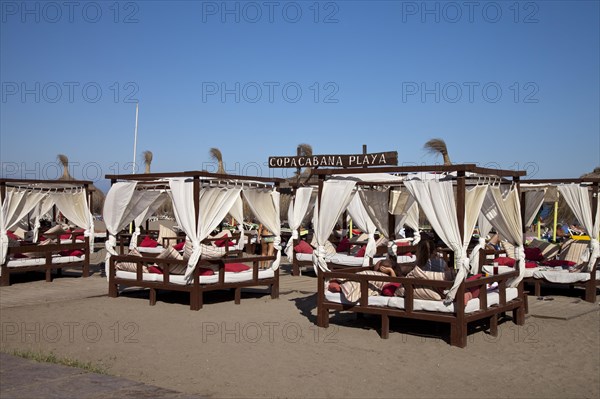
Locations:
{"points": [[135, 137]]}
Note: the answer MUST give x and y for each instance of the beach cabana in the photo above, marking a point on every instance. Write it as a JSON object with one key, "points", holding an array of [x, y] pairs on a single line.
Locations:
{"points": [[201, 201]]}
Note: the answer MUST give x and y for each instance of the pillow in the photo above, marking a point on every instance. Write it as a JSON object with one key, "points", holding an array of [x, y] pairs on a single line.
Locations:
{"points": [[361, 252], [531, 265], [303, 248], [131, 266], [334, 286], [155, 270], [65, 236], [473, 290], [329, 249], [505, 261], [404, 244], [57, 229], [423, 292], [12, 236], [558, 262], [390, 289], [344, 245], [351, 289], [534, 254], [171, 253], [148, 242], [208, 251], [508, 248], [236, 267], [203, 271], [77, 252], [179, 247], [224, 241], [19, 256], [82, 238]]}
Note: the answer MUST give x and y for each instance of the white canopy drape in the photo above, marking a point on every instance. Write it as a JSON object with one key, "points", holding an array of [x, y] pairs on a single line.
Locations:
{"points": [[42, 208], [578, 199], [237, 212], [265, 206], [360, 216], [437, 201], [74, 206], [296, 212], [534, 199], [159, 199], [484, 229], [335, 197]]}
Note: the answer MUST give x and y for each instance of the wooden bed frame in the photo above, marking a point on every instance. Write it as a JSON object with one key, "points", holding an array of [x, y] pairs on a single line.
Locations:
{"points": [[458, 320], [196, 290], [47, 266]]}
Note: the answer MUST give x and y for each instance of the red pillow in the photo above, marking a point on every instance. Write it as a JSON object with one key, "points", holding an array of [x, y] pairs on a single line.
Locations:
{"points": [[82, 238], [344, 245], [361, 252], [334, 286], [223, 242], [65, 236], [19, 256], [179, 247], [77, 252], [390, 289], [534, 254], [203, 271], [66, 252], [474, 290], [12, 236], [558, 262], [404, 244], [303, 248], [236, 267], [531, 265], [155, 270], [148, 242], [505, 261]]}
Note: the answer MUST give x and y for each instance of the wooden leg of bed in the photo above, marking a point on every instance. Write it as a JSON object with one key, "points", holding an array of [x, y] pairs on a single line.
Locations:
{"points": [[86, 270], [5, 278], [275, 291], [238, 296], [323, 317], [458, 335], [538, 288], [494, 325], [295, 270], [49, 274], [590, 292], [385, 326], [526, 302], [519, 315], [113, 290], [152, 296]]}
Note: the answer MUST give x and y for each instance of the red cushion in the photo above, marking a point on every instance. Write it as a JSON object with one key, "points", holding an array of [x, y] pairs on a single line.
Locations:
{"points": [[12, 236], [236, 267], [224, 241], [356, 232], [361, 252], [505, 261], [390, 289], [82, 238], [19, 256], [148, 242], [334, 286], [558, 262], [534, 254], [344, 245], [404, 244], [79, 231], [77, 252], [65, 236], [179, 247], [531, 265], [66, 252], [303, 248], [474, 290], [155, 270], [203, 271]]}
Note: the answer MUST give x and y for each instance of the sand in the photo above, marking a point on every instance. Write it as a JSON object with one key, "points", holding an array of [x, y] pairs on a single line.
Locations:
{"points": [[272, 348]]}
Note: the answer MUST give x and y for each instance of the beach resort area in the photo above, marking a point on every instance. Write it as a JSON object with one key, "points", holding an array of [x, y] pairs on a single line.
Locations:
{"points": [[342, 199]]}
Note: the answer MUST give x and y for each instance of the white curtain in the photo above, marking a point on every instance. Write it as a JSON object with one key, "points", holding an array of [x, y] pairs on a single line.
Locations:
{"points": [[534, 200], [159, 199], [74, 206], [15, 206], [578, 199], [265, 205], [406, 211], [296, 212], [360, 216], [237, 212], [484, 229], [41, 209], [504, 213], [437, 201], [335, 198], [214, 204]]}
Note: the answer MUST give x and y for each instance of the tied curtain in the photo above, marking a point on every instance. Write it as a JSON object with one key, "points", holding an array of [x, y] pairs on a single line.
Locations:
{"points": [[436, 198], [335, 198], [360, 216], [159, 199], [214, 204], [406, 211], [15, 206], [534, 199], [504, 213], [74, 206], [484, 229], [265, 206], [296, 212], [41, 209], [237, 212], [578, 199]]}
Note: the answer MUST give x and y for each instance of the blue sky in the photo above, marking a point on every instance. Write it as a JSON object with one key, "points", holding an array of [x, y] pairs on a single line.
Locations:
{"points": [[506, 84]]}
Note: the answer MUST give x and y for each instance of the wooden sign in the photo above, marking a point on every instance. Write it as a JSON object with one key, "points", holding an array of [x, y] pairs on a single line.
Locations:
{"points": [[336, 161]]}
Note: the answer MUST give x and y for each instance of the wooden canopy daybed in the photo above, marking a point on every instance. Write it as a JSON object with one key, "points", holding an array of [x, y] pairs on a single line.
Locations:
{"points": [[26, 198], [496, 295], [201, 200]]}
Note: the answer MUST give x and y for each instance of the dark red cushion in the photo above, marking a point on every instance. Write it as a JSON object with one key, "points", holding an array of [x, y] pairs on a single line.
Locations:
{"points": [[534, 254], [148, 242], [203, 271], [361, 252], [390, 289], [19, 256], [65, 236], [474, 290], [404, 244], [79, 231], [558, 262], [12, 236], [155, 270], [82, 238], [505, 261], [77, 252], [303, 248], [531, 265], [334, 286], [344, 245], [223, 242], [179, 247], [66, 252], [236, 267]]}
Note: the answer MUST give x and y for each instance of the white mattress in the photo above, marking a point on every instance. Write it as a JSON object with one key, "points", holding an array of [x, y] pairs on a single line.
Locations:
{"points": [[56, 259], [150, 250], [340, 259], [551, 274], [426, 305], [180, 279], [70, 241]]}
